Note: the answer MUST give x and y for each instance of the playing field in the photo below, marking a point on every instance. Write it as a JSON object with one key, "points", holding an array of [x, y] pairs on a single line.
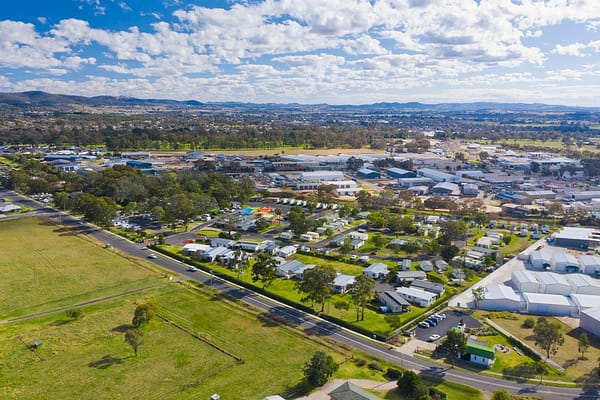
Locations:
{"points": [[88, 358], [44, 268]]}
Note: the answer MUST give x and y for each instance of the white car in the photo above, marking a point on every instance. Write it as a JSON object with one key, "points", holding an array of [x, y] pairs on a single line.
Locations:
{"points": [[434, 337], [192, 268], [152, 255]]}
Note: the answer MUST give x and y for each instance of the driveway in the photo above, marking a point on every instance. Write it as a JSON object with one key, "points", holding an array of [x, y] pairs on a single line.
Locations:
{"points": [[453, 317]]}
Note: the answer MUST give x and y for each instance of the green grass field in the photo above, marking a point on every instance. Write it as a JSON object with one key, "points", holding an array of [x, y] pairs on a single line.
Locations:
{"points": [[88, 358], [44, 268]]}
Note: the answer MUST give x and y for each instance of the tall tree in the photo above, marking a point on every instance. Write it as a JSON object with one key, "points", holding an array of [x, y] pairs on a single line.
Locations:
{"points": [[548, 336], [298, 222], [455, 344], [264, 270], [316, 284], [320, 367], [134, 338], [410, 385], [361, 293]]}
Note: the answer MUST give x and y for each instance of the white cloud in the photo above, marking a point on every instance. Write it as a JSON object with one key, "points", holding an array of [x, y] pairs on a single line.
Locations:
{"points": [[574, 50]]}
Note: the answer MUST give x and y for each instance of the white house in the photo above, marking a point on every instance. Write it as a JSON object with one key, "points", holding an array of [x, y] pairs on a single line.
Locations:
{"points": [[343, 283], [376, 271], [525, 281], [564, 262], [501, 298], [288, 270], [549, 304], [553, 283], [589, 264], [214, 252], [359, 236], [195, 249], [286, 251], [590, 321], [417, 296]]}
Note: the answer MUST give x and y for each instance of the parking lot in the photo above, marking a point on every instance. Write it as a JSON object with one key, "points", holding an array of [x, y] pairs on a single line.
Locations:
{"points": [[453, 317]]}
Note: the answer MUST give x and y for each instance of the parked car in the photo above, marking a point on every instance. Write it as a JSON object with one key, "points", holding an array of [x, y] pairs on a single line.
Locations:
{"points": [[431, 321], [423, 324], [434, 337], [437, 317]]}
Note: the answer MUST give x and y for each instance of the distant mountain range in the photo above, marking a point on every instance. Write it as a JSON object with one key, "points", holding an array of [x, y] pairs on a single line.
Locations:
{"points": [[43, 99]]}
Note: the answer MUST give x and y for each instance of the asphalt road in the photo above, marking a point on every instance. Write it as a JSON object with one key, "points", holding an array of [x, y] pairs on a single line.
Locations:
{"points": [[312, 324]]}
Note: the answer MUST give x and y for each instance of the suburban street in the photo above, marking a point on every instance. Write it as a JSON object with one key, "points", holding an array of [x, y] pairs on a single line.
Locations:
{"points": [[309, 323]]}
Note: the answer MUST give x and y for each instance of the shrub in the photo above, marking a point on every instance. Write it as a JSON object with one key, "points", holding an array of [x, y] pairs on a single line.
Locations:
{"points": [[361, 362], [437, 394], [529, 323], [375, 365], [393, 374]]}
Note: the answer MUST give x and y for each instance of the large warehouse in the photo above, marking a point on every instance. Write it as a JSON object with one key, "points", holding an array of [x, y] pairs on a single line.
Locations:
{"points": [[552, 283], [525, 281], [584, 284], [578, 238], [501, 298], [589, 265], [549, 304], [590, 321]]}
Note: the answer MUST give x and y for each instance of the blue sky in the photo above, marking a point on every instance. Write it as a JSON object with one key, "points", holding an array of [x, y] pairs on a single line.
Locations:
{"points": [[306, 51]]}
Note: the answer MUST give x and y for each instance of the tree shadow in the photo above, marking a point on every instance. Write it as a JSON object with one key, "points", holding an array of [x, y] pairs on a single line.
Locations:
{"points": [[300, 389], [106, 362], [62, 322], [570, 363], [520, 373], [122, 328]]}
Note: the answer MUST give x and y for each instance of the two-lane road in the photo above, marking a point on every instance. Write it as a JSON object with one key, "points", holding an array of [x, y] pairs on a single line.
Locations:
{"points": [[317, 326]]}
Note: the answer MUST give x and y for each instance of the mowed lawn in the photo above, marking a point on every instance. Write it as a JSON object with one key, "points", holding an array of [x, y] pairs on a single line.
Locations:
{"points": [[43, 268], [89, 358]]}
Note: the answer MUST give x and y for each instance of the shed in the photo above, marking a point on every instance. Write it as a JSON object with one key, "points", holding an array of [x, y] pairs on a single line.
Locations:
{"points": [[399, 173], [589, 321], [501, 298], [584, 284], [589, 264], [564, 262], [481, 355], [366, 173], [445, 189], [393, 301], [540, 260], [417, 296], [525, 281], [549, 304], [376, 271], [553, 283], [441, 265]]}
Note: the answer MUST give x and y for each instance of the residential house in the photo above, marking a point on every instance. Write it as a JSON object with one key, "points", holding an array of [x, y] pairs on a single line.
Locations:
{"points": [[376, 271], [409, 276], [419, 297], [404, 265], [394, 302], [221, 242], [433, 287], [343, 283], [349, 391], [426, 266], [288, 269], [214, 252], [286, 251]]}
